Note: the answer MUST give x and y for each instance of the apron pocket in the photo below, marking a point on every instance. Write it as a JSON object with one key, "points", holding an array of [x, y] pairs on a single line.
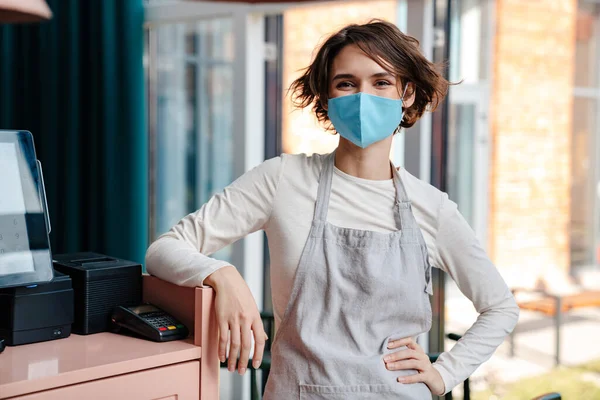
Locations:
{"points": [[363, 392]]}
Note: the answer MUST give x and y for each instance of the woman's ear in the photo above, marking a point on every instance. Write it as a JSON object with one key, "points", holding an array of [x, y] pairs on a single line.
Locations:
{"points": [[409, 95]]}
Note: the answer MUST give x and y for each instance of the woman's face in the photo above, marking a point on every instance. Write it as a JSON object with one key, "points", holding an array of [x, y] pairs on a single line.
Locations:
{"points": [[352, 71]]}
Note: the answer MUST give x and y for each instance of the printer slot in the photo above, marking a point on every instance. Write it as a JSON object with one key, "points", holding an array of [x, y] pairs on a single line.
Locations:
{"points": [[92, 261]]}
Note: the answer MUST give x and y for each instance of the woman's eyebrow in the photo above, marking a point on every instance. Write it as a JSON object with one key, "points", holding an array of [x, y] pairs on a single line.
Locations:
{"points": [[343, 76], [381, 75], [350, 76]]}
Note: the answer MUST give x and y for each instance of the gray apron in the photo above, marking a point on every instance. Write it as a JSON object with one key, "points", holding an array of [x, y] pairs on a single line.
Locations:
{"points": [[353, 292]]}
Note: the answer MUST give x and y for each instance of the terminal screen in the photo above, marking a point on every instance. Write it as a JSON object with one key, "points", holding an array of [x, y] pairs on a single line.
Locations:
{"points": [[15, 253]]}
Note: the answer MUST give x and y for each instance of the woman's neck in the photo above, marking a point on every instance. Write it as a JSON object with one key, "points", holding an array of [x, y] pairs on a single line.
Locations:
{"points": [[372, 163]]}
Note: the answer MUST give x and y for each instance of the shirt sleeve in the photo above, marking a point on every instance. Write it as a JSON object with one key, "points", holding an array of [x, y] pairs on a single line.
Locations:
{"points": [[463, 258], [182, 255]]}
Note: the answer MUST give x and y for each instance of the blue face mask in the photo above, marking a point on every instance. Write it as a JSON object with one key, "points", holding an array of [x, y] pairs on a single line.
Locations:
{"points": [[363, 118]]}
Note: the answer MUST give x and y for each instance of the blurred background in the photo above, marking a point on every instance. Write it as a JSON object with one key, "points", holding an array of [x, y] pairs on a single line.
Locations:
{"points": [[142, 110]]}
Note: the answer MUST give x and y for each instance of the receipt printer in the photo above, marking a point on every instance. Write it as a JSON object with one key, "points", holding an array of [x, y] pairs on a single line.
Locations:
{"points": [[100, 283], [36, 313]]}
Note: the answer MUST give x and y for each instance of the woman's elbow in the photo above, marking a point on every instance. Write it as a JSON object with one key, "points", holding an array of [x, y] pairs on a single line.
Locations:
{"points": [[153, 256], [513, 311]]}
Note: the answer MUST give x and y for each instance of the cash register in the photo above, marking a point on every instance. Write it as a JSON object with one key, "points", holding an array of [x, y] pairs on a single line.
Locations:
{"points": [[36, 303]]}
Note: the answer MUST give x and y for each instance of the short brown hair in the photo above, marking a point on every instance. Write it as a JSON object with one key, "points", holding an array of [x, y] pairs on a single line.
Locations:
{"points": [[388, 46]]}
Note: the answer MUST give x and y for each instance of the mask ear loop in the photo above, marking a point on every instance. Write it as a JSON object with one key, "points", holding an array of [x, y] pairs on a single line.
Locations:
{"points": [[404, 93], [401, 98]]}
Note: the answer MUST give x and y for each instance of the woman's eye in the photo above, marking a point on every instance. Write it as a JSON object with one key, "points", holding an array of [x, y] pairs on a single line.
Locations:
{"points": [[343, 85], [382, 83]]}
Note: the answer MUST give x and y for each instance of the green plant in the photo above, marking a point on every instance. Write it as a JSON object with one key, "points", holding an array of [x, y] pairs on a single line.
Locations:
{"points": [[570, 382]]}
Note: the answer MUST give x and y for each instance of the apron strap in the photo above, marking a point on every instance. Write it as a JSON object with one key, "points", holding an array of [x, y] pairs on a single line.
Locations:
{"points": [[325, 179], [401, 196], [402, 202]]}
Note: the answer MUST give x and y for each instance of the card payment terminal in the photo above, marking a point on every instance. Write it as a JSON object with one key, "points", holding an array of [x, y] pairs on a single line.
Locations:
{"points": [[150, 322]]}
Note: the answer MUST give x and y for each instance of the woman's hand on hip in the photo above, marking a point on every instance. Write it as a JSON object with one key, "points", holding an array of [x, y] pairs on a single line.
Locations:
{"points": [[238, 316], [413, 357]]}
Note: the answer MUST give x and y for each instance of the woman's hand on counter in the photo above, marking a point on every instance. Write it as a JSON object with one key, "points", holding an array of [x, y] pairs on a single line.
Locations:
{"points": [[238, 317]]}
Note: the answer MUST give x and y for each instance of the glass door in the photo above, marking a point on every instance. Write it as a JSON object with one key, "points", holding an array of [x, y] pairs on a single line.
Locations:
{"points": [[468, 181], [468, 155], [192, 143], [197, 109]]}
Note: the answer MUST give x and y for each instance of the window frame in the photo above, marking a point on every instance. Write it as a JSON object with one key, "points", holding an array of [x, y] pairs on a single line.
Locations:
{"points": [[248, 104]]}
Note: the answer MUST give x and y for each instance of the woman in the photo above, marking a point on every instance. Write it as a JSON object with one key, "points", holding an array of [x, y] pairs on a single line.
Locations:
{"points": [[351, 238]]}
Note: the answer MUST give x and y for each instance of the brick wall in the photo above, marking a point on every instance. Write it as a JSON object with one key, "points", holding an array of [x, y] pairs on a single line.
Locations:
{"points": [[304, 29], [531, 110]]}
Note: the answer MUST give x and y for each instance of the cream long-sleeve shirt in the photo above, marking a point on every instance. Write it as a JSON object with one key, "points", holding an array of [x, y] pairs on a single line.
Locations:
{"points": [[279, 196]]}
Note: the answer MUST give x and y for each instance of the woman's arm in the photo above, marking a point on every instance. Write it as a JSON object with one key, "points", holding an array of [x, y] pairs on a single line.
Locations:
{"points": [[182, 255], [459, 253]]}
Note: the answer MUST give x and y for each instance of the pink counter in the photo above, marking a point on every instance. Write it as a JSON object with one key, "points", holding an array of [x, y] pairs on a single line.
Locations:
{"points": [[107, 365]]}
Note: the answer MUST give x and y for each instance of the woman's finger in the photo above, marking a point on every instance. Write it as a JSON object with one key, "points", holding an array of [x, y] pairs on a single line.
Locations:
{"points": [[223, 335], [415, 346], [234, 346], [246, 347], [415, 378], [394, 344], [400, 355], [418, 352], [405, 364], [260, 338]]}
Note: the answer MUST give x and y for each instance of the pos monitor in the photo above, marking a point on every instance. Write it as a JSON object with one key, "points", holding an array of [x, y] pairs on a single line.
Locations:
{"points": [[25, 256]]}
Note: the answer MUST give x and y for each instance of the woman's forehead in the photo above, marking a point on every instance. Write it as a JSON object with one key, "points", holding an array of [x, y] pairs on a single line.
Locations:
{"points": [[354, 61]]}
